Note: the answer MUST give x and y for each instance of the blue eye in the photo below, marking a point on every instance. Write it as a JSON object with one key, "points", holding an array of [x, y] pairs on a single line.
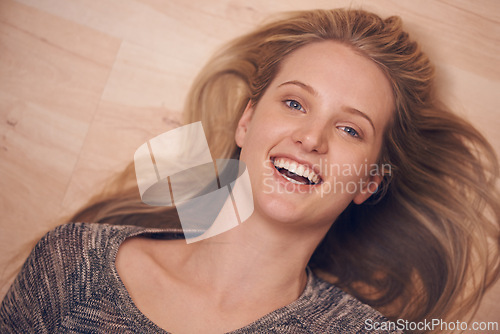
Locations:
{"points": [[350, 131], [292, 104]]}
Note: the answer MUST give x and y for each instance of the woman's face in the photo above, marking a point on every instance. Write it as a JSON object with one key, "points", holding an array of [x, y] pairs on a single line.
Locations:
{"points": [[311, 143]]}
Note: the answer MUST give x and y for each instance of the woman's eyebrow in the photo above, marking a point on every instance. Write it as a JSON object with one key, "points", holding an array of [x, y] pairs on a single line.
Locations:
{"points": [[308, 88], [312, 91], [362, 114]]}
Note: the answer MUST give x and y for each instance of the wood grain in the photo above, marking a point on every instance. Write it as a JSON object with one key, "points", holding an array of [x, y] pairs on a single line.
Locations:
{"points": [[84, 83]]}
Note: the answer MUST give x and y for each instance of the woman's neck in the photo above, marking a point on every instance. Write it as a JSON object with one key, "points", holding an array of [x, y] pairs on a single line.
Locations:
{"points": [[252, 260], [227, 281]]}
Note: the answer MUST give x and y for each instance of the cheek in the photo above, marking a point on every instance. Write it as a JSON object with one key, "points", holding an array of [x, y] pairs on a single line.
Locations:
{"points": [[346, 164], [265, 130]]}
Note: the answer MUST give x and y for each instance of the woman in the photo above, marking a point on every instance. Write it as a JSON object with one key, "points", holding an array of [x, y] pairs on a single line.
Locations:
{"points": [[317, 90]]}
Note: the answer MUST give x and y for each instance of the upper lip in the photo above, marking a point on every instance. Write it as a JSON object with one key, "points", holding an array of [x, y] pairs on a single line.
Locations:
{"points": [[309, 164]]}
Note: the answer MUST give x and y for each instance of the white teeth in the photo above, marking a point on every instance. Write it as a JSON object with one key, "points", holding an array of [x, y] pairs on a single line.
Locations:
{"points": [[294, 167], [306, 173], [300, 170]]}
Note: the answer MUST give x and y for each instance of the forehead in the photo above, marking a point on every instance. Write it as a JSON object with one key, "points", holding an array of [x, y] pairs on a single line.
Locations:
{"points": [[341, 77]]}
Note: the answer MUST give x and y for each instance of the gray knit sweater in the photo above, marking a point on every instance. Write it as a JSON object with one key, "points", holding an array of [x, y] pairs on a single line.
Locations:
{"points": [[69, 284]]}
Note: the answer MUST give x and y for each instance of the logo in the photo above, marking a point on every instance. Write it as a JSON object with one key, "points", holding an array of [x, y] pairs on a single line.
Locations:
{"points": [[177, 169]]}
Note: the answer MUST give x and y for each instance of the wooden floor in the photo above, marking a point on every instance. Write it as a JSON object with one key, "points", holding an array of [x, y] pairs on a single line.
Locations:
{"points": [[84, 83]]}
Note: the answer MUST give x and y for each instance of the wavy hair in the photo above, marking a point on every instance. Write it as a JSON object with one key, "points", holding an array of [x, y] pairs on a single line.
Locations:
{"points": [[426, 245]]}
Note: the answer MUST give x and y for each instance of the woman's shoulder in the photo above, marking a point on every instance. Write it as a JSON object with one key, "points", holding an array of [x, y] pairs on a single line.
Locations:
{"points": [[330, 307], [96, 236], [90, 233], [322, 308], [67, 247], [64, 268], [70, 276]]}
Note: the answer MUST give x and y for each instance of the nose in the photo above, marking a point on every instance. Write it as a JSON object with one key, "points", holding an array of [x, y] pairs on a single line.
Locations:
{"points": [[312, 136]]}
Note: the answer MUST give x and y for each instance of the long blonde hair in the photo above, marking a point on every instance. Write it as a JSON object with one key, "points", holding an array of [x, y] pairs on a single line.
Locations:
{"points": [[427, 244]]}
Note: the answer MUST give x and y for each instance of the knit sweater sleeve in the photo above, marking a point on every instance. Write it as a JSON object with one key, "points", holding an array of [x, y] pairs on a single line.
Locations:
{"points": [[39, 296]]}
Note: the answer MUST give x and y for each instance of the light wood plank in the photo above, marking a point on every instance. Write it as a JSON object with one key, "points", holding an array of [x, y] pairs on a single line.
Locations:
{"points": [[52, 74], [113, 138]]}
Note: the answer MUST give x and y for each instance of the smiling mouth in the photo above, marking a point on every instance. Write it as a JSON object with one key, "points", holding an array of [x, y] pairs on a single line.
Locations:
{"points": [[295, 172]]}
